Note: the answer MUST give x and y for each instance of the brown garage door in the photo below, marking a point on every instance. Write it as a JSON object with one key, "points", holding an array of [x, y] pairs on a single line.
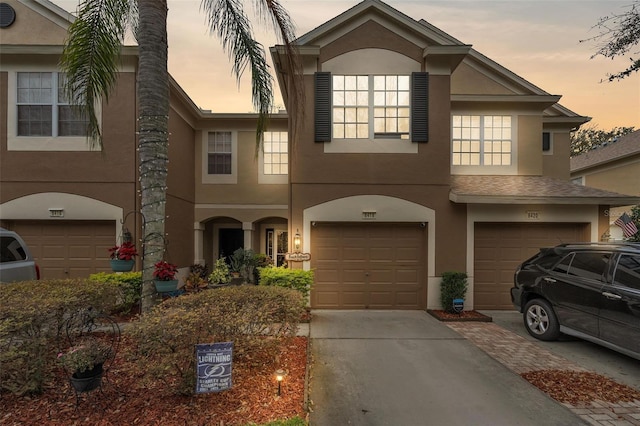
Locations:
{"points": [[500, 247], [68, 249], [375, 266]]}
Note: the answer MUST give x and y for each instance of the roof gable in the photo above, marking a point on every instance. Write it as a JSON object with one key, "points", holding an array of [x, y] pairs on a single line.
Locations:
{"points": [[420, 33], [38, 22]]}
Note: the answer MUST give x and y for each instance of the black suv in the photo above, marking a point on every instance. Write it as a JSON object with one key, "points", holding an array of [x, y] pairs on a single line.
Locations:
{"points": [[590, 290]]}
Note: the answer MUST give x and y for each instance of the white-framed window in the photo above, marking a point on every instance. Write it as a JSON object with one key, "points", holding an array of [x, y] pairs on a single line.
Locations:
{"points": [[482, 140], [364, 105], [275, 159], [219, 153], [219, 157], [42, 107]]}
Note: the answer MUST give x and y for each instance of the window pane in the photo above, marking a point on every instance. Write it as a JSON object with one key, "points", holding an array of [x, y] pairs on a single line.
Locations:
{"points": [[338, 131], [338, 82], [71, 121], [589, 265], [338, 115], [403, 82], [363, 99], [350, 82], [628, 272], [363, 83]]}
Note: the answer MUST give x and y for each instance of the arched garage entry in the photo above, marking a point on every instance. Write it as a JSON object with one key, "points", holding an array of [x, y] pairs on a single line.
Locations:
{"points": [[364, 260]]}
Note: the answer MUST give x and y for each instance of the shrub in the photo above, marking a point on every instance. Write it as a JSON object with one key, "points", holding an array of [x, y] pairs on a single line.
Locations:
{"points": [[129, 284], [454, 286], [254, 318], [32, 317], [279, 276], [220, 273]]}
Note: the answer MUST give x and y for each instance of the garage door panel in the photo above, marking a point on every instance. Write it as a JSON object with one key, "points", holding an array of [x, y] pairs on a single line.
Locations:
{"points": [[353, 253], [381, 253], [66, 248], [375, 262], [500, 247]]}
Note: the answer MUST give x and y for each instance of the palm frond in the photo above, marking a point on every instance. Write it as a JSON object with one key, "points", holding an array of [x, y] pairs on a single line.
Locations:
{"points": [[90, 56], [230, 23], [285, 28]]}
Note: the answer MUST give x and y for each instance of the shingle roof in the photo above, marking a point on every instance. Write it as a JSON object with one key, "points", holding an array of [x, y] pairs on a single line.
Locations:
{"points": [[530, 189], [625, 146]]}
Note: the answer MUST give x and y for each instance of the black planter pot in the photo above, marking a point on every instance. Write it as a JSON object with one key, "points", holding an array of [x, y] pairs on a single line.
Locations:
{"points": [[87, 380]]}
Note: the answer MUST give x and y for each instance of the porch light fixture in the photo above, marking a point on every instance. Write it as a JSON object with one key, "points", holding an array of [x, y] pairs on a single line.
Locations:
{"points": [[279, 378], [296, 241]]}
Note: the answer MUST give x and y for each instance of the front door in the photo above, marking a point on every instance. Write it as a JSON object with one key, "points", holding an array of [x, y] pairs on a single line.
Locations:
{"points": [[230, 240]]}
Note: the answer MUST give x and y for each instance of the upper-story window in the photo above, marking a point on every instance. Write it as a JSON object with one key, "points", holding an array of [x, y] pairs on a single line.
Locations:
{"points": [[371, 113], [376, 105], [276, 156], [482, 140], [219, 153], [42, 107]]}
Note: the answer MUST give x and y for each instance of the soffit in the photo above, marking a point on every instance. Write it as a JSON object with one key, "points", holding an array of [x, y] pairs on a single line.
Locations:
{"points": [[474, 189]]}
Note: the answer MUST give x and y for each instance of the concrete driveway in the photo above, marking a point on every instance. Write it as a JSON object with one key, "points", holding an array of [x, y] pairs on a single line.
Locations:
{"points": [[406, 368]]}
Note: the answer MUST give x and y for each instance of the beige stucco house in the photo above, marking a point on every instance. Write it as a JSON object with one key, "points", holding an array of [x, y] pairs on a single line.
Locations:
{"points": [[416, 155], [612, 167]]}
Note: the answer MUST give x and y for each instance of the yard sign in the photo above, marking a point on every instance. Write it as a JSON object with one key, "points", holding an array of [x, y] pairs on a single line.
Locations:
{"points": [[213, 366]]}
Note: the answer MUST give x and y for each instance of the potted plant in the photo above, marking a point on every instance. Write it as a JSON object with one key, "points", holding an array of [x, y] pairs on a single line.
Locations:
{"points": [[220, 273], [235, 262], [243, 262], [164, 276], [122, 257], [85, 361], [197, 279]]}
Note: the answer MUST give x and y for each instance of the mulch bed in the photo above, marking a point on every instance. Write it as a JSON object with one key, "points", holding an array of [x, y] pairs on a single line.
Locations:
{"points": [[128, 399], [580, 387], [462, 316]]}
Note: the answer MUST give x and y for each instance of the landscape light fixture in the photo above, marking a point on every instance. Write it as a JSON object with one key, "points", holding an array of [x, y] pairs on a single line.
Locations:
{"points": [[279, 378]]}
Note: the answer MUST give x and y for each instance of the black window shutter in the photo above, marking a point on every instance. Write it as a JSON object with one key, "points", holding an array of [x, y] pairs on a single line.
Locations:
{"points": [[546, 141], [420, 107], [322, 106]]}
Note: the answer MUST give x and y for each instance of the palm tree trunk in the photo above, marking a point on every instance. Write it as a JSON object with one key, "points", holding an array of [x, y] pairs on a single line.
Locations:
{"points": [[153, 123]]}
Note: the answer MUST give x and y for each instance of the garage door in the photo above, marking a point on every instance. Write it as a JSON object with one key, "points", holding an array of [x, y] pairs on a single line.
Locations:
{"points": [[375, 266], [500, 247], [68, 249]]}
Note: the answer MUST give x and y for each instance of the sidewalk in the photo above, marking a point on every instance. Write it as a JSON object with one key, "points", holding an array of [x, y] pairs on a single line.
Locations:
{"points": [[521, 356]]}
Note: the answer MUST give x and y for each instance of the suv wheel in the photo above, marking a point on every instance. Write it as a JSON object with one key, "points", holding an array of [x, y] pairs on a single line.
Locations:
{"points": [[540, 320]]}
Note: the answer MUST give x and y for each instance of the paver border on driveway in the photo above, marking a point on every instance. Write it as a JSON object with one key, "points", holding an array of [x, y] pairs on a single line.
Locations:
{"points": [[521, 356]]}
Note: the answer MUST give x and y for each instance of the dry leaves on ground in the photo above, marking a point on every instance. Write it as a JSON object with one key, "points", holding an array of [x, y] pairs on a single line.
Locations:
{"points": [[127, 399], [579, 387], [462, 316]]}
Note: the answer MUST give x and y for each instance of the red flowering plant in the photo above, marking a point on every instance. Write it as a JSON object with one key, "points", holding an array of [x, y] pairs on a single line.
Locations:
{"points": [[165, 271], [126, 251]]}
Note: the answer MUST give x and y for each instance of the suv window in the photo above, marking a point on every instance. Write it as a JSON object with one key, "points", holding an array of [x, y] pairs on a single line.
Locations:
{"points": [[585, 265], [628, 272], [11, 250]]}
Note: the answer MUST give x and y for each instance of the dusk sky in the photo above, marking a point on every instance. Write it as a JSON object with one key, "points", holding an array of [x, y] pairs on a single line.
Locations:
{"points": [[538, 40]]}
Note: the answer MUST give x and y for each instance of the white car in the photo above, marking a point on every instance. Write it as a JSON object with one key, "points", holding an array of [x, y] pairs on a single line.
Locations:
{"points": [[16, 262]]}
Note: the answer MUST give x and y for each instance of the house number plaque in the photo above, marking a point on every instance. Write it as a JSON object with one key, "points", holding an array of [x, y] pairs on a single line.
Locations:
{"points": [[297, 257]]}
